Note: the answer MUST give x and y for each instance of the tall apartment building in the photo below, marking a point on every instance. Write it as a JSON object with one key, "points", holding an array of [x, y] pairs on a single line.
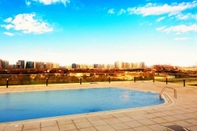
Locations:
{"points": [[83, 66], [140, 65], [90, 66], [118, 65], [30, 64], [126, 65], [49, 65], [21, 64], [5, 64], [40, 65], [56, 65], [1, 64]]}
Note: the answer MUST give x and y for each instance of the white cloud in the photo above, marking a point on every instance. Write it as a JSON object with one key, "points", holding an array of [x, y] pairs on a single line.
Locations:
{"points": [[160, 28], [28, 24], [8, 20], [122, 11], [49, 2], [8, 33], [111, 11], [9, 26], [154, 9], [160, 19], [179, 29], [28, 3], [186, 16], [181, 38]]}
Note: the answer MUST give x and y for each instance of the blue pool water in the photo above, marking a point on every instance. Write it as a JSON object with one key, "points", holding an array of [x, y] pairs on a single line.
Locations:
{"points": [[31, 105]]}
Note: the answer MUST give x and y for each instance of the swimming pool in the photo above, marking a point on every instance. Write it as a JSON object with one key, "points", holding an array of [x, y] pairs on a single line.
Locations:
{"points": [[41, 104]]}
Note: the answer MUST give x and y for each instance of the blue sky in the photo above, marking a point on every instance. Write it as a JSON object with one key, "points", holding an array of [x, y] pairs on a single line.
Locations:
{"points": [[99, 31]]}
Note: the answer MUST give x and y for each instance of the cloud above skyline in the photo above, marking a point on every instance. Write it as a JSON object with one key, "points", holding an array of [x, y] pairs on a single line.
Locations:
{"points": [[27, 23], [160, 19], [48, 2], [178, 29], [111, 11], [155, 9], [8, 33]]}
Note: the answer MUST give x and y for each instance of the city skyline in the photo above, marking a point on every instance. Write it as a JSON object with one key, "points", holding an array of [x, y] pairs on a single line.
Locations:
{"points": [[85, 31]]}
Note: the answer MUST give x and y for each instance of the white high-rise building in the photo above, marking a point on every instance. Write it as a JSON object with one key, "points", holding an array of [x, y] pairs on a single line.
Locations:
{"points": [[118, 65]]}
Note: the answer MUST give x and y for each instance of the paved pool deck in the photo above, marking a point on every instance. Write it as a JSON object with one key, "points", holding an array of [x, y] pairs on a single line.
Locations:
{"points": [[181, 111]]}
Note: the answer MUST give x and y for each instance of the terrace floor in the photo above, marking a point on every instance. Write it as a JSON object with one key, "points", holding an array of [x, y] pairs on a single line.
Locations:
{"points": [[181, 111]]}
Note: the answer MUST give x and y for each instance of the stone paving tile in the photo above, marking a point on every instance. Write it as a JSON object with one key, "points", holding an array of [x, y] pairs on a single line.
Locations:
{"points": [[190, 115], [157, 127], [120, 126], [168, 113], [147, 122], [170, 118], [31, 125], [64, 121], [88, 129], [159, 114], [150, 116], [106, 116], [48, 123], [98, 123], [183, 123], [81, 125], [68, 127], [180, 117], [167, 124], [125, 119], [127, 130], [142, 128], [15, 127], [38, 129], [193, 128], [77, 120], [133, 124], [139, 117], [50, 128], [158, 120], [93, 118], [192, 121], [112, 120], [105, 128], [151, 111], [2, 127], [118, 115]]}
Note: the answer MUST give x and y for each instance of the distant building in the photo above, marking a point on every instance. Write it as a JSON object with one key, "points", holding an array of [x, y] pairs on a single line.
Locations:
{"points": [[91, 66], [56, 65], [140, 65], [96, 66], [126, 65], [30, 64], [40, 65], [21, 64], [74, 66], [118, 65], [49, 65], [5, 64], [1, 64], [163, 68], [12, 66]]}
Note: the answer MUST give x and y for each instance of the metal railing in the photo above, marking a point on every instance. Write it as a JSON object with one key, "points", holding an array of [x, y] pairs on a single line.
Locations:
{"points": [[175, 92]]}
